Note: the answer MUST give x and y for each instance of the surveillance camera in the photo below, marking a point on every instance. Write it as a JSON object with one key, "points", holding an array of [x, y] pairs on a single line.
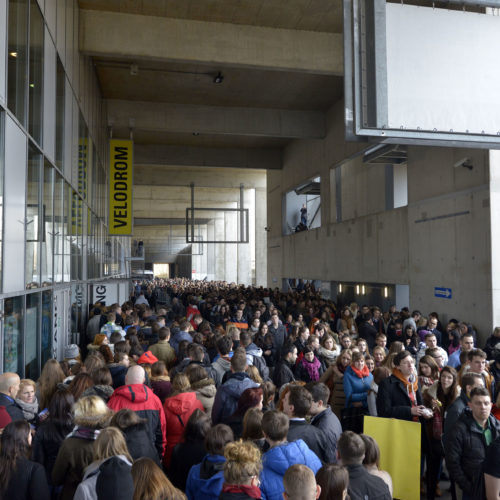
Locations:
{"points": [[464, 162], [267, 229]]}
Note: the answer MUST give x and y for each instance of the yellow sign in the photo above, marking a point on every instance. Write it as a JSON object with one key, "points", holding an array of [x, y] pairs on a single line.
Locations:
{"points": [[399, 443], [120, 187]]}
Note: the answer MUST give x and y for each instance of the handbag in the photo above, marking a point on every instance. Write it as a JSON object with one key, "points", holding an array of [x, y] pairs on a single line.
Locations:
{"points": [[351, 418]]}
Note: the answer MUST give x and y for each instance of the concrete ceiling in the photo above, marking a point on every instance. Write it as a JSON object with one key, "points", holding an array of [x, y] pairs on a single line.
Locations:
{"points": [[284, 55], [309, 15]]}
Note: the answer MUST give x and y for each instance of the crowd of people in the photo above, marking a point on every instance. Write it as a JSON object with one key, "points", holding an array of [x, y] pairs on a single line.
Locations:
{"points": [[207, 390]]}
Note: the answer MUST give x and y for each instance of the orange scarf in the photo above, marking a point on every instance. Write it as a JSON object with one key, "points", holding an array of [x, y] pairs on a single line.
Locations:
{"points": [[411, 387]]}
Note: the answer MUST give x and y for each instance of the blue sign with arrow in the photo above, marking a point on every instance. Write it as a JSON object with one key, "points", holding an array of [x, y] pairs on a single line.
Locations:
{"points": [[442, 293]]}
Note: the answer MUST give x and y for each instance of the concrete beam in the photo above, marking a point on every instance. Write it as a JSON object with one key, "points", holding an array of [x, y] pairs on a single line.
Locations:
{"points": [[256, 122], [192, 156], [113, 34]]}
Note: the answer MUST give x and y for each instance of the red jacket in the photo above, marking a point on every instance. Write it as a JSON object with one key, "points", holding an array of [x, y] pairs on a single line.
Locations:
{"points": [[178, 409], [142, 400]]}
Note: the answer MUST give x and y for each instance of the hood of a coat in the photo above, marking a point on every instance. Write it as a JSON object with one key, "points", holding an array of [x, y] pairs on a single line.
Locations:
{"points": [[279, 458], [135, 393], [181, 403], [236, 384]]}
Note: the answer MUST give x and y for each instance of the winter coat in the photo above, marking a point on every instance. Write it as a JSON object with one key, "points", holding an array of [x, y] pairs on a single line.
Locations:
{"points": [[109, 479], [139, 444], [283, 373], [164, 352], [46, 444], [204, 481], [178, 409], [356, 388], [178, 337], [329, 423], [255, 358], [279, 336], [366, 486], [28, 482], [103, 391], [141, 399], [276, 461], [393, 400], [221, 366], [314, 437], [226, 398], [162, 387], [12, 408], [303, 374], [118, 373], [465, 450], [76, 453], [205, 392], [184, 456], [453, 414]]}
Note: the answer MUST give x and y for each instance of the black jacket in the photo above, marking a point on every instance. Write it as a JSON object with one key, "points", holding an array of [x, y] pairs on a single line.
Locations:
{"points": [[465, 450], [393, 400], [314, 438], [366, 486], [453, 413], [329, 423], [283, 374], [138, 443], [279, 336], [368, 332], [184, 456], [12, 408], [28, 482]]}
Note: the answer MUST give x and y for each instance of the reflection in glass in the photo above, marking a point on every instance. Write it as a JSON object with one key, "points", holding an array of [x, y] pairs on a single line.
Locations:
{"points": [[58, 227], [60, 106], [46, 326], [13, 358], [35, 86], [48, 226], [33, 219], [17, 57], [32, 336]]}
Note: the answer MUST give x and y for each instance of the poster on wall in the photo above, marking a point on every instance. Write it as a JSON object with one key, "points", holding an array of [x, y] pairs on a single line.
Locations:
{"points": [[105, 292]]}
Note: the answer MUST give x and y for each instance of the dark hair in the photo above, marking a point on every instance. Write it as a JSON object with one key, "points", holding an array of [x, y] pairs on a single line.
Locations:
{"points": [[447, 399], [102, 376], [196, 427], [122, 346], [217, 437], [275, 425], [351, 448], [334, 480], [195, 373], [224, 345], [476, 353], [455, 341], [245, 339], [61, 409], [400, 356], [249, 398], [107, 354], [80, 384], [115, 337], [14, 446], [196, 352], [125, 418], [372, 451], [269, 391], [319, 392], [163, 333], [301, 400], [252, 424], [469, 379], [429, 361], [239, 360], [380, 373], [479, 391], [158, 369], [287, 349]]}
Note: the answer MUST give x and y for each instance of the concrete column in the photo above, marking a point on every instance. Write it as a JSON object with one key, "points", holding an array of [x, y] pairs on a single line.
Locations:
{"points": [[260, 237], [219, 249], [231, 249], [495, 235], [210, 250]]}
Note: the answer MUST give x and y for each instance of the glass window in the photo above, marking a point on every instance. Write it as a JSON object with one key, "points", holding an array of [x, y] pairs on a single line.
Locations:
{"points": [[17, 66], [58, 227], [32, 336], [46, 326], [76, 235], [83, 157], [60, 103], [67, 233], [48, 224], [33, 218], [35, 90], [13, 358]]}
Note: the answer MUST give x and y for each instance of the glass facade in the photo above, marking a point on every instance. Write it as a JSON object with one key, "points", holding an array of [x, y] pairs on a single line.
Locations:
{"points": [[61, 206]]}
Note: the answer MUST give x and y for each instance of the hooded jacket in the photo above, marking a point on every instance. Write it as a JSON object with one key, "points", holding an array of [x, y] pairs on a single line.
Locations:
{"points": [[255, 358], [205, 392], [204, 481], [118, 373], [138, 443], [226, 399], [142, 400], [178, 409], [393, 400], [366, 486], [220, 366], [276, 461]]}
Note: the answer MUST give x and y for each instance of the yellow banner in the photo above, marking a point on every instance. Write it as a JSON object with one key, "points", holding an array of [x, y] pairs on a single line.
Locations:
{"points": [[399, 443], [120, 186]]}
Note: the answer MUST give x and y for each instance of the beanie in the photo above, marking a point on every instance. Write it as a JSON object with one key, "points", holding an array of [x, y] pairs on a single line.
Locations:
{"points": [[147, 358], [71, 351]]}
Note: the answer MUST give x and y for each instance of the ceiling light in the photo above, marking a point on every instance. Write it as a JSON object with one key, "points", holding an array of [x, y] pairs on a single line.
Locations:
{"points": [[13, 54], [218, 78], [32, 85]]}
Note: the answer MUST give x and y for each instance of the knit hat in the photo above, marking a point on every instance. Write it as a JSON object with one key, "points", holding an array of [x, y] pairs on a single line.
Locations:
{"points": [[147, 358], [71, 351], [4, 418]]}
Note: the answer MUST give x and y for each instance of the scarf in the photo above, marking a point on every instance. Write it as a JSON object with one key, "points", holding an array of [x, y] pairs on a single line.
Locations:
{"points": [[411, 387], [312, 368], [84, 433], [29, 409], [251, 491], [361, 373]]}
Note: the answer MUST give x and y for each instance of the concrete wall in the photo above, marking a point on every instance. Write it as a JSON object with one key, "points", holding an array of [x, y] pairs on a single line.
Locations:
{"points": [[440, 239]]}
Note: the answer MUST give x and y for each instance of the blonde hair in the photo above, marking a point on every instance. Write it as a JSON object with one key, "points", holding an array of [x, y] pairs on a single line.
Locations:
{"points": [[91, 411], [243, 461], [110, 443], [27, 381], [254, 374]]}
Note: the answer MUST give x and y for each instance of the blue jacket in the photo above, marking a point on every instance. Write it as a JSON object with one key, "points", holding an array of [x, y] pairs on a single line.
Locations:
{"points": [[355, 388], [177, 337], [226, 398], [454, 358], [276, 461], [205, 480]]}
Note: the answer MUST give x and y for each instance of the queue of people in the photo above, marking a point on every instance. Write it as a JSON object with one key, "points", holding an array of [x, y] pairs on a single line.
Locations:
{"points": [[225, 391]]}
